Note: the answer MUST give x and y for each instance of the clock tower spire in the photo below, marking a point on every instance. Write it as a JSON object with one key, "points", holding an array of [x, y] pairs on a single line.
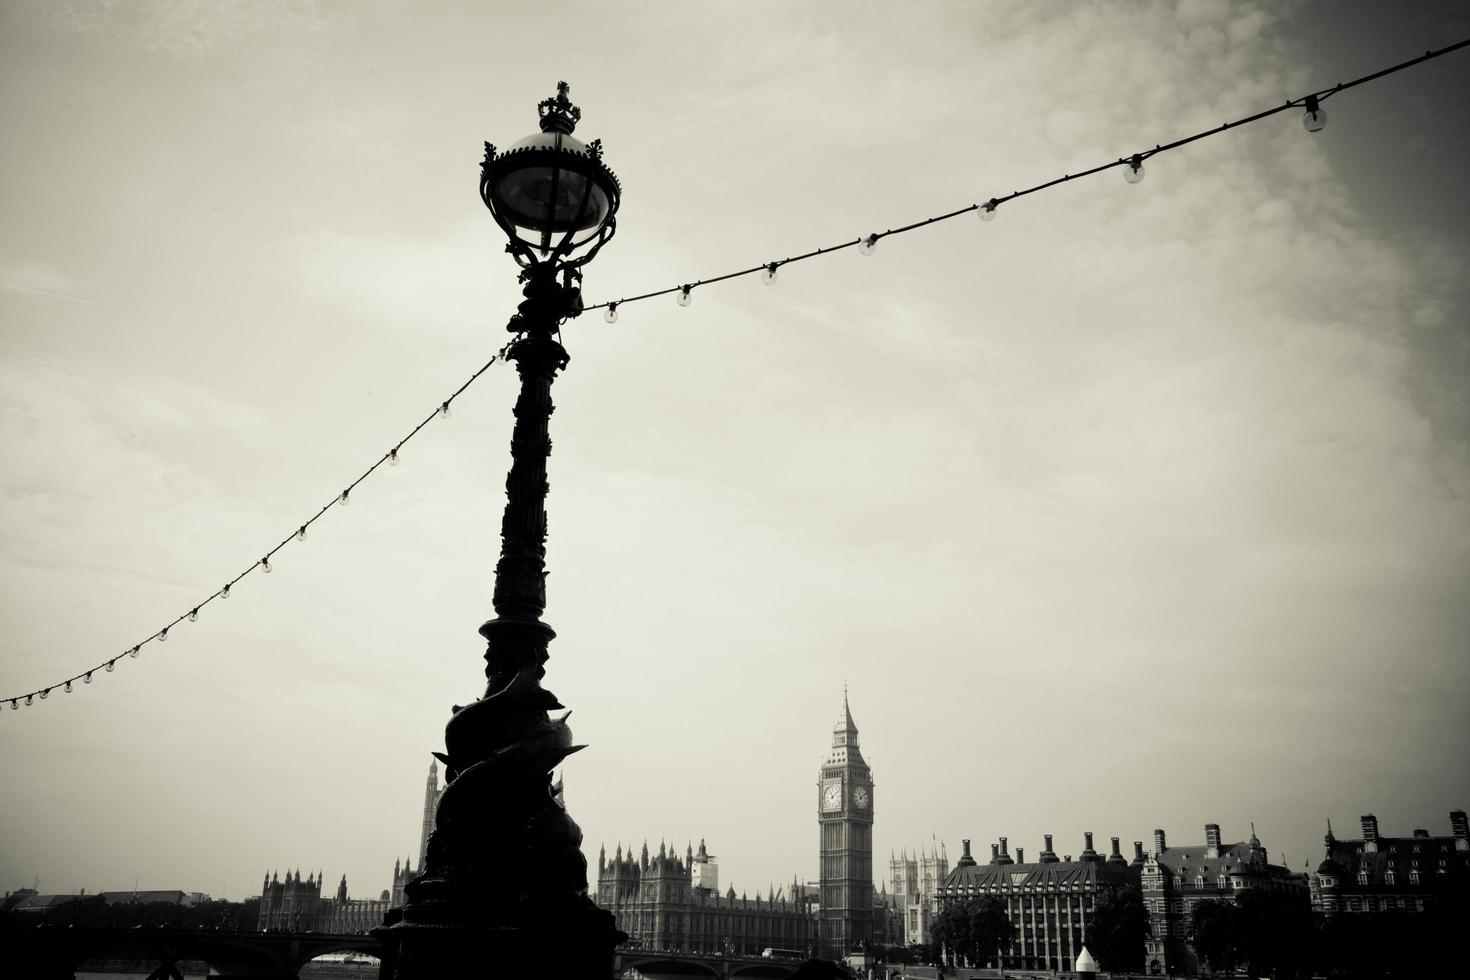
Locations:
{"points": [[845, 819]]}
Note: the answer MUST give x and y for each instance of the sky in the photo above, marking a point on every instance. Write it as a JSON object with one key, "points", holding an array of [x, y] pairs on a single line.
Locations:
{"points": [[1139, 506]]}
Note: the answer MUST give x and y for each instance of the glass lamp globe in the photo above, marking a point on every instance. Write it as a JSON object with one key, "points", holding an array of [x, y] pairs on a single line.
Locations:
{"points": [[550, 192]]}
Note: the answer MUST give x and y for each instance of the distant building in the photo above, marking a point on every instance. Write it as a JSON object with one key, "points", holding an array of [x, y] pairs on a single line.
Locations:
{"points": [[295, 905], [12, 899], [432, 792], [845, 818], [1176, 879], [31, 902], [1049, 901], [916, 881], [1379, 874], [667, 902], [187, 899]]}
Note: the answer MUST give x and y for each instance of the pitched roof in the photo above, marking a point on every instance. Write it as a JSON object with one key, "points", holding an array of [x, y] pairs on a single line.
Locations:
{"points": [[40, 903], [1063, 873], [1398, 854], [142, 898]]}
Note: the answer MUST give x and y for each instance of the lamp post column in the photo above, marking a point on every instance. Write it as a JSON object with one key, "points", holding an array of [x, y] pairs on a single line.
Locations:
{"points": [[504, 890]]}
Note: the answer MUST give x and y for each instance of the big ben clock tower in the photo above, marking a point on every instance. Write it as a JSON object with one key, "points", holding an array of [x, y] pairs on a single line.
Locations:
{"points": [[845, 816]]}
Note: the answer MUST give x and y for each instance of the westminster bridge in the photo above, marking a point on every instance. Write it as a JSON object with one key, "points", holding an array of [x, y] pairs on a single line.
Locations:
{"points": [[51, 952]]}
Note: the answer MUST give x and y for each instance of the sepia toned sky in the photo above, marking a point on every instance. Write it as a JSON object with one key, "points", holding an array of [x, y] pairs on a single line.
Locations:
{"points": [[1140, 506]]}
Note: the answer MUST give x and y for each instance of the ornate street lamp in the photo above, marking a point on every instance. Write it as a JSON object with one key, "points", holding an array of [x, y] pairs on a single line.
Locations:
{"points": [[504, 887]]}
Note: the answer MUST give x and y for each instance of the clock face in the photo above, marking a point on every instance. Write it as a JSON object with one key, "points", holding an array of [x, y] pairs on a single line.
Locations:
{"points": [[860, 798], [832, 796]]}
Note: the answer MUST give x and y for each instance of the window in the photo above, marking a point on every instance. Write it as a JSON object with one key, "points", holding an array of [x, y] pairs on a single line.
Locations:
{"points": [[1363, 877], [1414, 877]]}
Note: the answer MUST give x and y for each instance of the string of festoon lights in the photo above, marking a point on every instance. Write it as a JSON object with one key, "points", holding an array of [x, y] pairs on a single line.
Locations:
{"points": [[1314, 118], [263, 564]]}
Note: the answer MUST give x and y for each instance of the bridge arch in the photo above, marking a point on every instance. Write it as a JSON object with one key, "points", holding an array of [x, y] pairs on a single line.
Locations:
{"points": [[671, 966]]}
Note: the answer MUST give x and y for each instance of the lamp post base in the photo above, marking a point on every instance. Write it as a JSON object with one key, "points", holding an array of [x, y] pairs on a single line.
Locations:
{"points": [[575, 943]]}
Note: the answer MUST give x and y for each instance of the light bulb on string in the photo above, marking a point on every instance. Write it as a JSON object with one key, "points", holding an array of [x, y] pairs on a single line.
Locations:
{"points": [[15, 704], [29, 699], [87, 677], [343, 499], [769, 276], [110, 665], [1315, 117], [867, 245], [224, 593], [194, 615], [301, 534], [265, 564], [444, 410], [163, 635], [45, 694], [1133, 172], [393, 456], [611, 313], [68, 687], [987, 210], [684, 298], [134, 651]]}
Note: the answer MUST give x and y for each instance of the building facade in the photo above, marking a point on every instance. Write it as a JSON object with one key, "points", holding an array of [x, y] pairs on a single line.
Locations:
{"points": [[1049, 901], [297, 905], [1176, 879], [915, 882], [432, 792], [845, 821], [1380, 874], [663, 901]]}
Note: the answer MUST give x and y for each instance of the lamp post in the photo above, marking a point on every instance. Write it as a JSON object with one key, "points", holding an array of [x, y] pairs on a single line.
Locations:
{"points": [[504, 888]]}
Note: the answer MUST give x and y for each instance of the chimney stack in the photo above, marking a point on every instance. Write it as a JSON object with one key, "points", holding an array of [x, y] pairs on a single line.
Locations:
{"points": [[965, 860], [1116, 857], [1370, 833], [1461, 829], [1212, 835], [1159, 845], [1020, 855], [995, 854], [1138, 852]]}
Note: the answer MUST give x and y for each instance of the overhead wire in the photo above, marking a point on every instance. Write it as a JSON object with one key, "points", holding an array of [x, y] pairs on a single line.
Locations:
{"points": [[1310, 101]]}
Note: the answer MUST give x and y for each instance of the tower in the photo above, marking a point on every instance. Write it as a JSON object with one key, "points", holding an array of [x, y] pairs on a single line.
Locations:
{"points": [[845, 819], [431, 806]]}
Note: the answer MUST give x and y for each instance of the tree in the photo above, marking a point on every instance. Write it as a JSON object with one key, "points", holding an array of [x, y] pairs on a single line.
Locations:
{"points": [[974, 930], [1214, 932], [1118, 927], [1273, 933]]}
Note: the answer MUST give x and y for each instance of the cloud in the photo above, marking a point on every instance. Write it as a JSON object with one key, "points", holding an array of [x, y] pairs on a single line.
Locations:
{"points": [[190, 29]]}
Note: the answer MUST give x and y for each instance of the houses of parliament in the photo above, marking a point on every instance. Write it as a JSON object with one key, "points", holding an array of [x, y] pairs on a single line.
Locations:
{"points": [[672, 901], [665, 901]]}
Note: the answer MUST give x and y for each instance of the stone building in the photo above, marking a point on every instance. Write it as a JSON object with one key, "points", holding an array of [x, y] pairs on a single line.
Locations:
{"points": [[845, 819], [1176, 879], [1379, 874], [1049, 901], [667, 902], [295, 905], [432, 792], [916, 881]]}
